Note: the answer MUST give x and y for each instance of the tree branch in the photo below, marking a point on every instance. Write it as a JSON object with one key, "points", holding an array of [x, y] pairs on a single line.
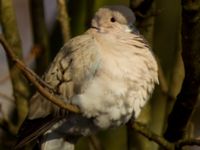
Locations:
{"points": [[63, 19], [40, 35], [142, 129], [187, 142], [36, 80], [188, 96], [20, 87]]}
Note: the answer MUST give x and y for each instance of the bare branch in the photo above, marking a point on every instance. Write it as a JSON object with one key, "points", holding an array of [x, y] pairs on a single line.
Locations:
{"points": [[36, 80], [142, 129], [188, 142], [34, 53]]}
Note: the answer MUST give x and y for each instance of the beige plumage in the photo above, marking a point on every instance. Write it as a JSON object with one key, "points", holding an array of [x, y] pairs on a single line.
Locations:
{"points": [[109, 72]]}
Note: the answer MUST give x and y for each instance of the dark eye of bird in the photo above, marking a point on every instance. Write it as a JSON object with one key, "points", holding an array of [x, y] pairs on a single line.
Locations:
{"points": [[112, 19]]}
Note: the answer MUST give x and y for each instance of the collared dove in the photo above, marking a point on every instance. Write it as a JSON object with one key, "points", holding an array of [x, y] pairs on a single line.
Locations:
{"points": [[109, 72]]}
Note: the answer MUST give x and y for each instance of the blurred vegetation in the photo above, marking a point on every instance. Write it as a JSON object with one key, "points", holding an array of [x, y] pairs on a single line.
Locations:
{"points": [[159, 21]]}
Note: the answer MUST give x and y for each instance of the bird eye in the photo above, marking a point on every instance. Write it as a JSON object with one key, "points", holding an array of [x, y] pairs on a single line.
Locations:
{"points": [[112, 19]]}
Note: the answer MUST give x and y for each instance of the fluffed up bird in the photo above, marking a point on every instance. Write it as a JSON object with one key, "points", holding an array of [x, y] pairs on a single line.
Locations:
{"points": [[109, 72]]}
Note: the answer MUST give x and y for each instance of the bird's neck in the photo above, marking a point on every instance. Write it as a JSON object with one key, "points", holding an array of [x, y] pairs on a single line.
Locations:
{"points": [[111, 35]]}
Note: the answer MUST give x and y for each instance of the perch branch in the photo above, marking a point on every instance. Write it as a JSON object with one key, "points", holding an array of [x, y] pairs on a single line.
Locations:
{"points": [[142, 129], [36, 80], [34, 53], [188, 142]]}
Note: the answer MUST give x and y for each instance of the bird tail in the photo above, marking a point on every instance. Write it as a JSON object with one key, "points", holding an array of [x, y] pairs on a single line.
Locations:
{"points": [[32, 129]]}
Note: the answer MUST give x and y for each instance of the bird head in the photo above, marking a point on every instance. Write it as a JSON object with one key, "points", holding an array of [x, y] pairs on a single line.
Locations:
{"points": [[114, 18]]}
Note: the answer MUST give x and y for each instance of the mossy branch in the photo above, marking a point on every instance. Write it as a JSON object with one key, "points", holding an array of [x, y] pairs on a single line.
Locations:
{"points": [[19, 85]]}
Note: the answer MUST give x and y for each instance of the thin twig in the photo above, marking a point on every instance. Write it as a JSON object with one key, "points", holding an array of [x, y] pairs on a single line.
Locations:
{"points": [[27, 69], [142, 129], [35, 52], [188, 142], [36, 80]]}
